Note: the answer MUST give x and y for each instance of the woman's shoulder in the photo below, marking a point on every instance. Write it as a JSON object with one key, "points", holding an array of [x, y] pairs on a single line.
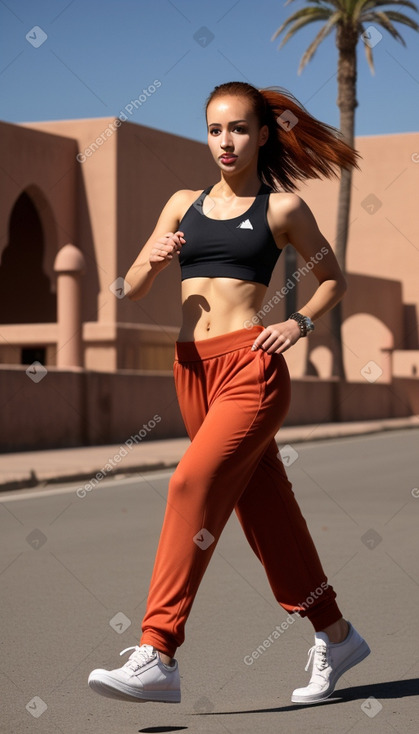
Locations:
{"points": [[181, 201], [182, 193], [286, 211], [286, 203]]}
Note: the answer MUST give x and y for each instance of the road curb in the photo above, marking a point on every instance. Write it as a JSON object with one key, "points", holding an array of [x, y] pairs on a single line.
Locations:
{"points": [[43, 480], [288, 435]]}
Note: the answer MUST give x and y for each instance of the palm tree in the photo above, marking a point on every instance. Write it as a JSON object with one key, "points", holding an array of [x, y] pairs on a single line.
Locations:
{"points": [[351, 19]]}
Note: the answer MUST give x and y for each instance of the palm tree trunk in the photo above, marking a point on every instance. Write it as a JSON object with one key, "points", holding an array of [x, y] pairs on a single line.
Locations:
{"points": [[346, 40]]}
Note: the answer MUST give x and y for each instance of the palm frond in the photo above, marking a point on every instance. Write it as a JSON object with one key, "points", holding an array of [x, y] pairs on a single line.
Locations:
{"points": [[401, 18], [371, 4], [361, 7], [311, 14], [322, 34], [299, 24], [368, 53], [383, 20]]}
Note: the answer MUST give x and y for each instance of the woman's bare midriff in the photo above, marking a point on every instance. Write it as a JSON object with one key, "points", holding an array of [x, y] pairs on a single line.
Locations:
{"points": [[215, 306]]}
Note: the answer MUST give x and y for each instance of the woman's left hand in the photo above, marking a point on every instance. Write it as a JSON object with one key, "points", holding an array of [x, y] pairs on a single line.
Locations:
{"points": [[278, 337]]}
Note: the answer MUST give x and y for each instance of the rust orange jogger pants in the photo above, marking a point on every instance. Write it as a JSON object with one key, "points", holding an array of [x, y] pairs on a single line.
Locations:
{"points": [[233, 401]]}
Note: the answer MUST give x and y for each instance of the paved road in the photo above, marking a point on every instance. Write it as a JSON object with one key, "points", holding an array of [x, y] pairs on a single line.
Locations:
{"points": [[74, 577]]}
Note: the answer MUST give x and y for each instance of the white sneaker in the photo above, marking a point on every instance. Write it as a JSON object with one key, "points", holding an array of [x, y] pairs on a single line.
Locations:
{"points": [[330, 661], [144, 677]]}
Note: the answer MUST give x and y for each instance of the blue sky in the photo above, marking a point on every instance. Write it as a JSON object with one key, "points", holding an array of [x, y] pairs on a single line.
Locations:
{"points": [[99, 56]]}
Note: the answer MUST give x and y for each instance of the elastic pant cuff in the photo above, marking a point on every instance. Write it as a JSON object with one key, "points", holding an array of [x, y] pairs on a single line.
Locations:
{"points": [[322, 618], [150, 638]]}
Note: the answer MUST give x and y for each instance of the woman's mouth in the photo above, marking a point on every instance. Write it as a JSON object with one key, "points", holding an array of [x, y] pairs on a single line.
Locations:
{"points": [[228, 158]]}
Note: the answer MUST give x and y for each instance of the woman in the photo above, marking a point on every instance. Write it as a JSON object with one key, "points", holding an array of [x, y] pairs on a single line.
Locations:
{"points": [[233, 384]]}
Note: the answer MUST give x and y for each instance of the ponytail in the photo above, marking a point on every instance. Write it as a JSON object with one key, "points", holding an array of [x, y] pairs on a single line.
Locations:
{"points": [[299, 147]]}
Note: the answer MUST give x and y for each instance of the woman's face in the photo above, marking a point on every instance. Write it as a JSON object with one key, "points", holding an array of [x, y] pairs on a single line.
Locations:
{"points": [[233, 132]]}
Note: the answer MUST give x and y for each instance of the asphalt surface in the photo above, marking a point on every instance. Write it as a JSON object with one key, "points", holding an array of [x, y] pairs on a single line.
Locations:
{"points": [[74, 578]]}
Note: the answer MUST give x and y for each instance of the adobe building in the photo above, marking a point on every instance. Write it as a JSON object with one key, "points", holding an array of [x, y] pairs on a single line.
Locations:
{"points": [[81, 364]]}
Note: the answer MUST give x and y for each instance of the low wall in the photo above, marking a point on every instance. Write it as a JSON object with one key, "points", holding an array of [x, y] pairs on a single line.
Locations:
{"points": [[85, 408]]}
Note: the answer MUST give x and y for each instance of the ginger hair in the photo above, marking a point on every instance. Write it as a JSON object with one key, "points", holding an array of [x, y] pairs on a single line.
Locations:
{"points": [[299, 146]]}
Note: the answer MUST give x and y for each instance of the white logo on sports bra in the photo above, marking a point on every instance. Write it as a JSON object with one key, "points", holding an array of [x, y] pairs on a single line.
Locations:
{"points": [[246, 224]]}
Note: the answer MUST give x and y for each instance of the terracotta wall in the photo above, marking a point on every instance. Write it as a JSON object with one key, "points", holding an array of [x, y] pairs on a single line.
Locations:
{"points": [[81, 408]]}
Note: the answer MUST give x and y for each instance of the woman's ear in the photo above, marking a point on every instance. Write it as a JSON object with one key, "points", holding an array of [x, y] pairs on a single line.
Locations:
{"points": [[263, 135]]}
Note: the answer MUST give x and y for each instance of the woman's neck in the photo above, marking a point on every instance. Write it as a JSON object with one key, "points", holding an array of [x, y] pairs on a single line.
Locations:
{"points": [[238, 186]]}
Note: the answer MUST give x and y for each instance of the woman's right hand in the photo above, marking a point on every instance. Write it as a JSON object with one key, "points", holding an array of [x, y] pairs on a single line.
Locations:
{"points": [[166, 247]]}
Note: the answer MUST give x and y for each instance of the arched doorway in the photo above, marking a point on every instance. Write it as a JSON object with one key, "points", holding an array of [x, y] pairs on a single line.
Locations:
{"points": [[26, 292], [367, 346], [26, 295]]}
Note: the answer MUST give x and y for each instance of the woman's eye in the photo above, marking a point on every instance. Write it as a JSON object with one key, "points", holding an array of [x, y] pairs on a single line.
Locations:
{"points": [[238, 128]]}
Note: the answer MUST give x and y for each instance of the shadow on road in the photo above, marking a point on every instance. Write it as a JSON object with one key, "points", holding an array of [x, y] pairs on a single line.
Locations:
{"points": [[388, 689]]}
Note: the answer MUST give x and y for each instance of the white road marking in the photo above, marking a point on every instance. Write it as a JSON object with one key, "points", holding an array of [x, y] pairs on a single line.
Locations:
{"points": [[23, 494]]}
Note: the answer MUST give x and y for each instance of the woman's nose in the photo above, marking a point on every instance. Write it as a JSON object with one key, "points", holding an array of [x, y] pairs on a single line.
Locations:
{"points": [[225, 141]]}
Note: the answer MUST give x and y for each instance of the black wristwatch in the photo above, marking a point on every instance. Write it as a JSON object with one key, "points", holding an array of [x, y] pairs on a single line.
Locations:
{"points": [[304, 322]]}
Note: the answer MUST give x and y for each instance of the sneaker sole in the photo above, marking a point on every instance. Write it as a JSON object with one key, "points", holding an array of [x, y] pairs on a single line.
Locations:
{"points": [[106, 687], [357, 656]]}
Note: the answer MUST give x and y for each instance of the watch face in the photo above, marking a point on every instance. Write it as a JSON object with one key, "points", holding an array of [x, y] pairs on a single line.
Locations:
{"points": [[309, 324]]}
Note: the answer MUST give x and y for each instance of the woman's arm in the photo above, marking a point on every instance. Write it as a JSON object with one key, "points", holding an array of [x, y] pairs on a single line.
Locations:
{"points": [[161, 247], [299, 225], [304, 235]]}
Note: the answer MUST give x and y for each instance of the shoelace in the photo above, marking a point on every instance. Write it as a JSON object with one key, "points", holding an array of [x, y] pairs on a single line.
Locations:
{"points": [[139, 657], [319, 652]]}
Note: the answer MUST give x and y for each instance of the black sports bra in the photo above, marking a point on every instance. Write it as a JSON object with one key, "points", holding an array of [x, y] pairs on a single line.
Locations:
{"points": [[242, 247]]}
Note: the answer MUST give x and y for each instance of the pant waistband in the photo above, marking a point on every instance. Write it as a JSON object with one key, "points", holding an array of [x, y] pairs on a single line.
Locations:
{"points": [[215, 346]]}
